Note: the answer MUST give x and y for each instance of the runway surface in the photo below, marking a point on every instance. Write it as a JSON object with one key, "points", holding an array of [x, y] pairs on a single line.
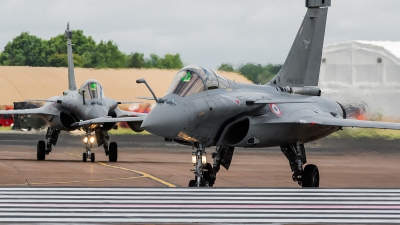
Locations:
{"points": [[135, 189], [148, 161], [204, 206]]}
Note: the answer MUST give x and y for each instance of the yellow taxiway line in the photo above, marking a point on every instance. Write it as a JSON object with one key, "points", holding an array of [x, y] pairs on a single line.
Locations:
{"points": [[70, 182], [156, 179], [142, 175]]}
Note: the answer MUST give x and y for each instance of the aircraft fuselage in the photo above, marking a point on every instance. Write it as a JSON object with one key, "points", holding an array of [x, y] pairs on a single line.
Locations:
{"points": [[71, 108], [228, 117]]}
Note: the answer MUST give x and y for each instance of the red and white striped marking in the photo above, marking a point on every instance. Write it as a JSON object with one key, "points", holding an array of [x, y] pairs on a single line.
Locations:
{"points": [[189, 205]]}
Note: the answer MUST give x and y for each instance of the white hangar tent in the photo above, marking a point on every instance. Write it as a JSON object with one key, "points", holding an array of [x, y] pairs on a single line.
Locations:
{"points": [[363, 71], [358, 62]]}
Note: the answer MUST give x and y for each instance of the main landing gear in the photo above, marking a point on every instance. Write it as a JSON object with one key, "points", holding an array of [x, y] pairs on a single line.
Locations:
{"points": [[43, 148], [111, 150], [296, 154], [205, 174]]}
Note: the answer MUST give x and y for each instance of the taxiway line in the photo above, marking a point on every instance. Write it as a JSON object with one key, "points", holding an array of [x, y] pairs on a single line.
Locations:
{"points": [[146, 175], [69, 182], [141, 173], [161, 205]]}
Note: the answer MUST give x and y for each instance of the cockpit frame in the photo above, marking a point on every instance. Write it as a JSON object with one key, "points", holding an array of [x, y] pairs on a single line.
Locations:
{"points": [[194, 79], [91, 89]]}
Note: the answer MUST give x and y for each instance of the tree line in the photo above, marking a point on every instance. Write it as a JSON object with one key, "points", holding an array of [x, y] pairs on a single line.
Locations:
{"points": [[30, 50], [254, 72]]}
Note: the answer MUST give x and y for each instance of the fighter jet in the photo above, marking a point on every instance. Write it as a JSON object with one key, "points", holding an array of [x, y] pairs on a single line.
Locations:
{"points": [[88, 104], [203, 109]]}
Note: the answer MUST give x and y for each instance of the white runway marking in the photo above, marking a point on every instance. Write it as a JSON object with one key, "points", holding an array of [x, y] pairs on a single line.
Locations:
{"points": [[206, 205]]}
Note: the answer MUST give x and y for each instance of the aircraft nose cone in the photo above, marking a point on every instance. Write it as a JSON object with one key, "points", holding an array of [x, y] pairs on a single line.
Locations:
{"points": [[97, 111], [163, 121]]}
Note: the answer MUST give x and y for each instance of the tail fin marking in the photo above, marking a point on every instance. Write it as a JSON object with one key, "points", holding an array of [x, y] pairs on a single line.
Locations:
{"points": [[302, 65]]}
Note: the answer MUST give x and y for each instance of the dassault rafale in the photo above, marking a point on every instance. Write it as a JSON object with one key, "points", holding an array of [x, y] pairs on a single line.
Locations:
{"points": [[88, 103], [202, 109]]}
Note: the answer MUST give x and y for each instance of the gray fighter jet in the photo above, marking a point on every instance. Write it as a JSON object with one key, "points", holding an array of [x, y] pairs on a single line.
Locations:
{"points": [[202, 109], [88, 103]]}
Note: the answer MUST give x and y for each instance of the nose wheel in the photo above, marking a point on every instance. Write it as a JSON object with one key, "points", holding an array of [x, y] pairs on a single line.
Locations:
{"points": [[87, 156]]}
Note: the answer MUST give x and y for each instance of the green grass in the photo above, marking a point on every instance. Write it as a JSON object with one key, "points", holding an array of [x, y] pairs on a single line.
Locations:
{"points": [[362, 133], [5, 128], [126, 131]]}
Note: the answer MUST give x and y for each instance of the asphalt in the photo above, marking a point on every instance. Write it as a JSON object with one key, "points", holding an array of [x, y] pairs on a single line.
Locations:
{"points": [[149, 161]]}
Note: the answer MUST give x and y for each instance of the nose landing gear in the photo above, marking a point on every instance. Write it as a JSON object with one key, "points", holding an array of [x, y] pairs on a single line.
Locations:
{"points": [[205, 173], [199, 160], [88, 140]]}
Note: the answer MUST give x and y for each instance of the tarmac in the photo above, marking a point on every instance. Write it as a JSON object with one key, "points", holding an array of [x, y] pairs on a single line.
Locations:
{"points": [[149, 161], [359, 184]]}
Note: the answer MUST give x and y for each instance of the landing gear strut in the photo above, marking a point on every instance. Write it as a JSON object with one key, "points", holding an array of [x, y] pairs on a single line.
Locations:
{"points": [[43, 148], [88, 140], [205, 174], [222, 156], [199, 160], [111, 150], [296, 154]]}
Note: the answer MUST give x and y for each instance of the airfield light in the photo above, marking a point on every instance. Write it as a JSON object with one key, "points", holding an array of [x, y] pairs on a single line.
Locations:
{"points": [[92, 140], [204, 158], [194, 157], [85, 139]]}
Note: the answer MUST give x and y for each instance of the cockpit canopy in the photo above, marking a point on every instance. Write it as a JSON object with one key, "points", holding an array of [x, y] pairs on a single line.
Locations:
{"points": [[193, 79], [92, 89]]}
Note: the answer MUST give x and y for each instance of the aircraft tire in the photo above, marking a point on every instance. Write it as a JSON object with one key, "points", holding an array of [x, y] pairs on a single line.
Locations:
{"points": [[209, 175], [84, 157], [203, 183], [113, 152], [192, 183], [41, 150], [92, 157], [310, 176]]}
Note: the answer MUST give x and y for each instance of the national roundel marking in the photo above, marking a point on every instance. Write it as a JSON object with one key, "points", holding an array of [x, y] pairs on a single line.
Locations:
{"points": [[275, 109]]}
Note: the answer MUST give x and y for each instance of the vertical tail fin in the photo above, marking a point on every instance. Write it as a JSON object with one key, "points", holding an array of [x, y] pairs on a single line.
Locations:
{"points": [[303, 63], [71, 74]]}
